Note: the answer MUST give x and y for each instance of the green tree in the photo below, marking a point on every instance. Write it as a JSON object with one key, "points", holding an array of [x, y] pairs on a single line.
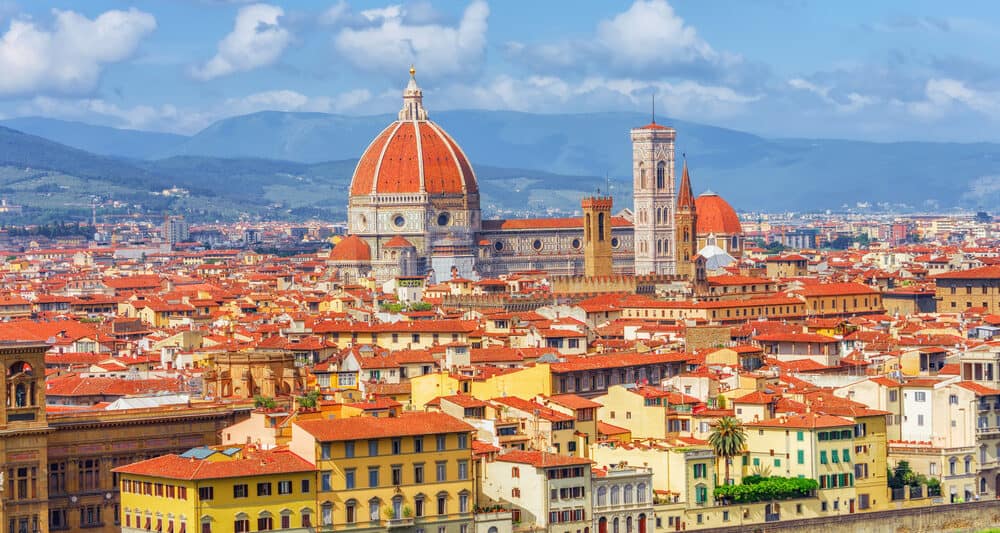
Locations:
{"points": [[263, 402], [310, 400], [728, 440]]}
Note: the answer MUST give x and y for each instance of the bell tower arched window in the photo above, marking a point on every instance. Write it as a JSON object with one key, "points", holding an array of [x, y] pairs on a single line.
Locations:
{"points": [[661, 171]]}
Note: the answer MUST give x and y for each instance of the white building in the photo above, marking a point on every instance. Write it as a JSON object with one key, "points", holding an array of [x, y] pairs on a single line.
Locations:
{"points": [[545, 490]]}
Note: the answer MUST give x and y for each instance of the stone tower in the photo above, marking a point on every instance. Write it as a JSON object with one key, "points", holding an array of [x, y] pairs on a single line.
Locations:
{"points": [[597, 236], [653, 196], [24, 437], [685, 220]]}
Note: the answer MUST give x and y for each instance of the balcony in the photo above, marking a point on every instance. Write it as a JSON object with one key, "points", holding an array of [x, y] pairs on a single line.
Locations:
{"points": [[399, 522], [988, 431]]}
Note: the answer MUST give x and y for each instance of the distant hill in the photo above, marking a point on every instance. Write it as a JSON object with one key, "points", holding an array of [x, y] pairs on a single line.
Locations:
{"points": [[101, 140], [54, 181], [752, 172]]}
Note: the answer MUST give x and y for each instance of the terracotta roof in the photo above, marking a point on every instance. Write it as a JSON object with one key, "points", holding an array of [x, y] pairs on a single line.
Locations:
{"points": [[351, 248], [572, 401], [545, 223], [715, 215], [363, 427], [803, 421], [607, 429], [413, 157], [397, 241], [256, 463], [540, 459], [986, 272]]}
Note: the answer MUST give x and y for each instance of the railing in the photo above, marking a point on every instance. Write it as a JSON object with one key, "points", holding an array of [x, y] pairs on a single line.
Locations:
{"points": [[772, 517], [916, 492], [898, 493], [399, 522]]}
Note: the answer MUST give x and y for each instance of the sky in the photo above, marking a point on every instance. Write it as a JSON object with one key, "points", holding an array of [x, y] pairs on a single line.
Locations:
{"points": [[909, 70]]}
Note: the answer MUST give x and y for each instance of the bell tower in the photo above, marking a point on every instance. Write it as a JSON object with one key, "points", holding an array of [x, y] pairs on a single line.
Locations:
{"points": [[597, 236], [23, 384], [686, 221], [653, 198]]}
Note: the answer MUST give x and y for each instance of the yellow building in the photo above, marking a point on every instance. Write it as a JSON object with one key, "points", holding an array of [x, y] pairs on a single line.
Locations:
{"points": [[218, 490], [810, 445], [376, 473]]}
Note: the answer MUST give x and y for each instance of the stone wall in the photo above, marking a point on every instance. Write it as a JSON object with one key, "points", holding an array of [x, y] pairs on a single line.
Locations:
{"points": [[954, 518]]}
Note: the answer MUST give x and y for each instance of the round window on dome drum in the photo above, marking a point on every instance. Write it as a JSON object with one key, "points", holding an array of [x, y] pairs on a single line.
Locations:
{"points": [[537, 245], [498, 246], [614, 242], [399, 221], [444, 219], [576, 244]]}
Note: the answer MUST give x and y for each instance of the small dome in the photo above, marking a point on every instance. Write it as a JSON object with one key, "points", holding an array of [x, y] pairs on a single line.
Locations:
{"points": [[397, 242], [716, 258], [351, 248], [715, 215]]}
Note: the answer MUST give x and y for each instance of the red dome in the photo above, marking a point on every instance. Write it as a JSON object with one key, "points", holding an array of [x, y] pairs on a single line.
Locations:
{"points": [[715, 215], [352, 248], [413, 156]]}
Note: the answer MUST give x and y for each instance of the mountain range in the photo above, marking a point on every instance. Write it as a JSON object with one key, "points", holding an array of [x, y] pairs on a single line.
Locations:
{"points": [[299, 164]]}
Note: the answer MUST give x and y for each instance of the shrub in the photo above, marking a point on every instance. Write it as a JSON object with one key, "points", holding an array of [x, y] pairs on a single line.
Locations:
{"points": [[758, 488]]}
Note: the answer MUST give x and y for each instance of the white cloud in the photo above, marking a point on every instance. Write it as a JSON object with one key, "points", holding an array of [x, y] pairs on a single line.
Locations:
{"points": [[168, 117], [684, 99], [941, 94], [335, 13], [394, 42], [69, 57], [651, 34], [855, 101], [257, 40]]}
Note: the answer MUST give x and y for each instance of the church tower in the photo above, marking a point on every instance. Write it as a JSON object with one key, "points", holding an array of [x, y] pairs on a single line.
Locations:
{"points": [[597, 236], [653, 196], [685, 221]]}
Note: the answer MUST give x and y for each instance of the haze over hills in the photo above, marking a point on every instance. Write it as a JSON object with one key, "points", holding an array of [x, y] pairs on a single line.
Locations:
{"points": [[564, 155]]}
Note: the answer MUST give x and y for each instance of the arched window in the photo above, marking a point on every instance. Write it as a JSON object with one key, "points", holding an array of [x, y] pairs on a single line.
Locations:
{"points": [[602, 495], [350, 513], [968, 464], [952, 466], [640, 492], [661, 171], [374, 509], [642, 176], [615, 495], [659, 215], [600, 226], [628, 494], [397, 507], [586, 229]]}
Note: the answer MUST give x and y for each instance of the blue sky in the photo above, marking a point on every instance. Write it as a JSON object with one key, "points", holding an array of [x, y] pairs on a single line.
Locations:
{"points": [[913, 70]]}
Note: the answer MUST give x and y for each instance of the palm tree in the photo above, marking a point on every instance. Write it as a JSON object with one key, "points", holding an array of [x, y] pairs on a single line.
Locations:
{"points": [[728, 440]]}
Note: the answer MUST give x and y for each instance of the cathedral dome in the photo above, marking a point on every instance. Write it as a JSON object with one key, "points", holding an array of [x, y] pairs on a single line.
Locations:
{"points": [[351, 248], [715, 215], [413, 155]]}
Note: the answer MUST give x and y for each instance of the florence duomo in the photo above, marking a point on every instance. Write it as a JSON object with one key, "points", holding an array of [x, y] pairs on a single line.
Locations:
{"points": [[414, 209]]}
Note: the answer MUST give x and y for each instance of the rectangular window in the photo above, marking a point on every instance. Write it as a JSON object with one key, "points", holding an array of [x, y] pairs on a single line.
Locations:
{"points": [[463, 470], [349, 449], [834, 456], [463, 441], [397, 446], [441, 469], [920, 396], [263, 489], [418, 473], [397, 475], [324, 482], [241, 491], [324, 451], [822, 457], [373, 447], [800, 436], [284, 487], [847, 455], [372, 476], [440, 443], [350, 478], [305, 486], [418, 444], [801, 457], [206, 493]]}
